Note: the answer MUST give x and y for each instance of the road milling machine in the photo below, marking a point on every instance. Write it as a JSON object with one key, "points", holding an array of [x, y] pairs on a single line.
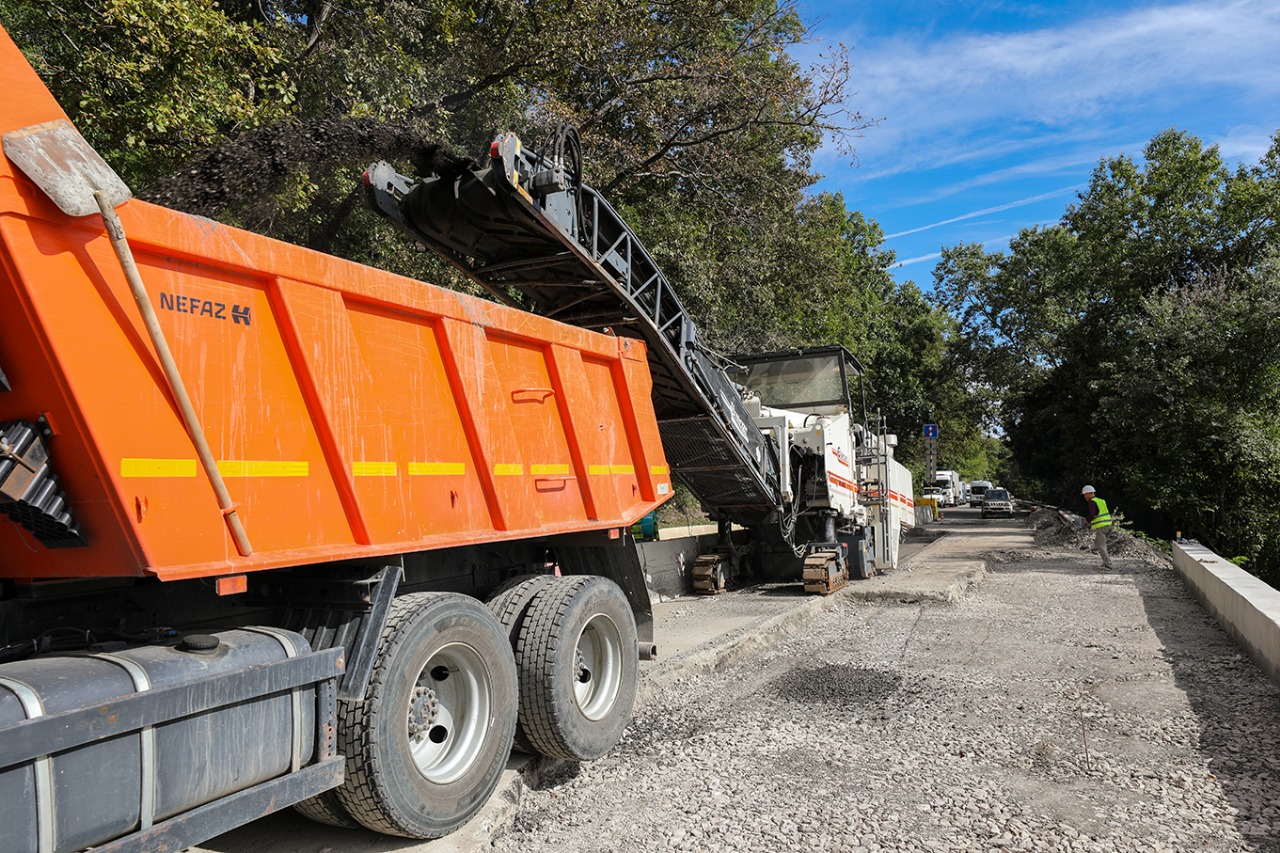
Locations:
{"points": [[777, 444]]}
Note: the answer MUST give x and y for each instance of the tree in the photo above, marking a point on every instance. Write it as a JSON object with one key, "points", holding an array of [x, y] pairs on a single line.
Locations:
{"points": [[1190, 417], [152, 82], [1093, 335]]}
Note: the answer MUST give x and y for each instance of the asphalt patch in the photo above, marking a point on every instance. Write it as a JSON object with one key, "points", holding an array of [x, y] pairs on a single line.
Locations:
{"points": [[840, 685]]}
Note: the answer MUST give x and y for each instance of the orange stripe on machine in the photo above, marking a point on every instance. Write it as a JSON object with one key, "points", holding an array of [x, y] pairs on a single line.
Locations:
{"points": [[842, 483]]}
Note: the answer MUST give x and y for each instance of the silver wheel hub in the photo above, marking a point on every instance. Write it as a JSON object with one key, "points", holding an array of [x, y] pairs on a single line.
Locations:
{"points": [[448, 714], [422, 711], [597, 667]]}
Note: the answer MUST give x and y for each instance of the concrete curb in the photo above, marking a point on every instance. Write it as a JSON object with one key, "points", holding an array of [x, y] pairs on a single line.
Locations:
{"points": [[496, 815], [1246, 607], [730, 648], [964, 576]]}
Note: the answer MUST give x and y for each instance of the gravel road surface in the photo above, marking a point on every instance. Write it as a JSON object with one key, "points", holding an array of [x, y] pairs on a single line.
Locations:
{"points": [[1001, 694], [1052, 707]]}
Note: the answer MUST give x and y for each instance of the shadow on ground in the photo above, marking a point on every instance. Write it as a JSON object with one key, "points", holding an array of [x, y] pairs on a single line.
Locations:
{"points": [[1236, 706]]}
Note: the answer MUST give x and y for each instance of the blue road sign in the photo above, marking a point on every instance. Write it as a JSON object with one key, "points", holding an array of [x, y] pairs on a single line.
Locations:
{"points": [[930, 430]]}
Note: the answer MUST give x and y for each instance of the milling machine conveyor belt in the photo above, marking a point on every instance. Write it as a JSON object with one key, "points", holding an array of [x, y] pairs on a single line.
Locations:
{"points": [[536, 238]]}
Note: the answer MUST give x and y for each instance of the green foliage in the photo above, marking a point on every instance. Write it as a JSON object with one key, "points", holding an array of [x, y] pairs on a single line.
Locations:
{"points": [[1190, 415], [151, 82], [682, 510], [1133, 345]]}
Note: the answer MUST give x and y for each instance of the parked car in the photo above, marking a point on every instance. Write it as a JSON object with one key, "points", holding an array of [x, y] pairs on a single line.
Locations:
{"points": [[997, 502]]}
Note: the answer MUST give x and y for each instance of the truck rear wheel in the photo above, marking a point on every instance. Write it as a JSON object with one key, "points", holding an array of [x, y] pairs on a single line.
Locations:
{"points": [[426, 746], [578, 661], [509, 604]]}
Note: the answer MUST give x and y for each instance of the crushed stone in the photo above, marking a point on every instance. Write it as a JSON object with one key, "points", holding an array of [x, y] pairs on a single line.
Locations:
{"points": [[1053, 708]]}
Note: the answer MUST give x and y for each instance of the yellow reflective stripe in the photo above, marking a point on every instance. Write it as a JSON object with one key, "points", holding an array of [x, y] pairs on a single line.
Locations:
{"points": [[537, 470], [615, 469], [374, 469], [157, 467], [262, 468], [660, 470], [504, 469], [132, 467], [435, 469]]}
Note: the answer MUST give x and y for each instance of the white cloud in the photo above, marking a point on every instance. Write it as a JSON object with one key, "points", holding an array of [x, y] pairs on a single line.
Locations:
{"points": [[909, 261], [1245, 144], [990, 244], [1063, 83]]}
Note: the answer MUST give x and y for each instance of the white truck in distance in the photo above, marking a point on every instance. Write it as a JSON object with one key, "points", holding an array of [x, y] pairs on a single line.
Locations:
{"points": [[977, 489], [949, 486]]}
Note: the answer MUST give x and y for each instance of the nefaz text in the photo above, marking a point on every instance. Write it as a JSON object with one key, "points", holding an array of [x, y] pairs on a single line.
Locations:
{"points": [[239, 314]]}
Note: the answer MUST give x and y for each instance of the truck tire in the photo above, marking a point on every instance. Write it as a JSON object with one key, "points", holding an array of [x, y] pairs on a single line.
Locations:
{"points": [[510, 601], [578, 662], [509, 604], [426, 746], [325, 808]]}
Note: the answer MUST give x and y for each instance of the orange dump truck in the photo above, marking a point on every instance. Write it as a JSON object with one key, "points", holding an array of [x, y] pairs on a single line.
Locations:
{"points": [[424, 555]]}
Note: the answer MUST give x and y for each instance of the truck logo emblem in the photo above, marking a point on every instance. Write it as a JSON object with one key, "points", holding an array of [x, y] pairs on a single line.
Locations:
{"points": [[204, 308]]}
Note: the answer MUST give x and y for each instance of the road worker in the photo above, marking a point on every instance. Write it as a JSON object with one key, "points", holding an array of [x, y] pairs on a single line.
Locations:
{"points": [[1098, 518]]}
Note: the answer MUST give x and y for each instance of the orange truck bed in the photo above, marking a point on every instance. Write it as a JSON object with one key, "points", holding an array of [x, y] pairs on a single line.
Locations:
{"points": [[353, 413]]}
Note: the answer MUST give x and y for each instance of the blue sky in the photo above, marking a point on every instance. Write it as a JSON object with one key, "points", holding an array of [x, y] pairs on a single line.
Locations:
{"points": [[993, 114]]}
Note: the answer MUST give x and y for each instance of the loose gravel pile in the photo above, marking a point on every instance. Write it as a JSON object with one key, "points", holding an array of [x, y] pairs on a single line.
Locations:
{"points": [[1055, 708], [1053, 530]]}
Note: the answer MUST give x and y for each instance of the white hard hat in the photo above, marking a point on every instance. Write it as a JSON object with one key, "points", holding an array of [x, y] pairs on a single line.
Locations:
{"points": [[1086, 490]]}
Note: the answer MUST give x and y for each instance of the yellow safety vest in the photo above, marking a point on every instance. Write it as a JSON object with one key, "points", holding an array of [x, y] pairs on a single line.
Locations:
{"points": [[1103, 518]]}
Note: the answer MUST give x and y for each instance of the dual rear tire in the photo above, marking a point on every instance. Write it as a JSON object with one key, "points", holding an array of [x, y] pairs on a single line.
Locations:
{"points": [[574, 642], [550, 661]]}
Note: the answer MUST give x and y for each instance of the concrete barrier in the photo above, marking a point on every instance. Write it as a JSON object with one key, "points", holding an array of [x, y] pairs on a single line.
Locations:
{"points": [[927, 510], [1246, 607]]}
